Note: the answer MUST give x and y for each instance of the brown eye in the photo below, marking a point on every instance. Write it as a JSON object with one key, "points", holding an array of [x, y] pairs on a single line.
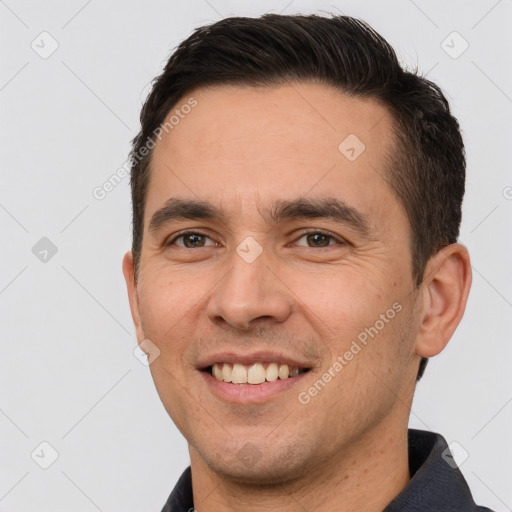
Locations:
{"points": [[318, 240], [191, 240]]}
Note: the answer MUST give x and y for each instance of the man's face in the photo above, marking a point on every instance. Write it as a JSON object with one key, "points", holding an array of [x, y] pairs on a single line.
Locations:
{"points": [[303, 259]]}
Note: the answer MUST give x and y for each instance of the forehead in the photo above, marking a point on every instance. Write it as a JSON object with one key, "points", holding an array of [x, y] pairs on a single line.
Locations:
{"points": [[282, 142]]}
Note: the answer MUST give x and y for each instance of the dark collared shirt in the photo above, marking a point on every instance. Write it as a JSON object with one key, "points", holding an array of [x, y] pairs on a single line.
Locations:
{"points": [[436, 484]]}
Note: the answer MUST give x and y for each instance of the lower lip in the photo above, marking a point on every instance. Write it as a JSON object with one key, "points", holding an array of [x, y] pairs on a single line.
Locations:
{"points": [[250, 393]]}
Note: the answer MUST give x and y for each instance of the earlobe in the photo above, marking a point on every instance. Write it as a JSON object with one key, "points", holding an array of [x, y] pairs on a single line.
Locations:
{"points": [[131, 287], [445, 291]]}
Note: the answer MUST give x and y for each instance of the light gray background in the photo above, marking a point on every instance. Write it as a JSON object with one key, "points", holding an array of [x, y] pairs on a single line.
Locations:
{"points": [[67, 369]]}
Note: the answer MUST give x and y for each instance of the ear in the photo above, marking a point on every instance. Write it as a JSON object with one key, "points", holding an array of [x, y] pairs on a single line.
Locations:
{"points": [[445, 291], [131, 286]]}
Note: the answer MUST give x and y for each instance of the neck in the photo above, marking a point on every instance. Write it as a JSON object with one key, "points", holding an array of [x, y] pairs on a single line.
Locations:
{"points": [[367, 475]]}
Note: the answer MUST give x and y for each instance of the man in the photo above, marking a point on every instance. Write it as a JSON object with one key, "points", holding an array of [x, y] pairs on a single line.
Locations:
{"points": [[296, 207]]}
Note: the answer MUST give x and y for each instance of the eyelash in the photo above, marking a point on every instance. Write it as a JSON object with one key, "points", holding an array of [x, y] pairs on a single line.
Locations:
{"points": [[305, 233]]}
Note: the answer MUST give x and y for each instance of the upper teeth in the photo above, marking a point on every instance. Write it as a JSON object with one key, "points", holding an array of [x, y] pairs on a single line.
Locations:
{"points": [[253, 374]]}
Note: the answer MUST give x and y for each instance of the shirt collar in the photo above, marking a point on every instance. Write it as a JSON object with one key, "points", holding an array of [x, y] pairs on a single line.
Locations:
{"points": [[436, 481]]}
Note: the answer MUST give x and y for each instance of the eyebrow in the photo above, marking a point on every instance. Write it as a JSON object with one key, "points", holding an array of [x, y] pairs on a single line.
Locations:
{"points": [[319, 208], [185, 209]]}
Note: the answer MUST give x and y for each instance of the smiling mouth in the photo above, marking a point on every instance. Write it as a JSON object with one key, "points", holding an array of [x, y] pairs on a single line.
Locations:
{"points": [[256, 373]]}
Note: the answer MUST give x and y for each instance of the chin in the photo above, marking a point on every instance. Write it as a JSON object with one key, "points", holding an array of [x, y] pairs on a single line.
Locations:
{"points": [[252, 464]]}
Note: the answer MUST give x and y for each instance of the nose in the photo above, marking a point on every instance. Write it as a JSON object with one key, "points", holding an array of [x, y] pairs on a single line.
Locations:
{"points": [[248, 294]]}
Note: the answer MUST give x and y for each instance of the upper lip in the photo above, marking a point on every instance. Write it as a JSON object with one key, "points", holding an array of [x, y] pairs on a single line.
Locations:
{"points": [[250, 358]]}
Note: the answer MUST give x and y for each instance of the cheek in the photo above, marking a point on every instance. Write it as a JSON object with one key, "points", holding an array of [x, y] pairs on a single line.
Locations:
{"points": [[387, 343], [166, 305], [366, 325], [370, 365], [346, 301], [166, 300]]}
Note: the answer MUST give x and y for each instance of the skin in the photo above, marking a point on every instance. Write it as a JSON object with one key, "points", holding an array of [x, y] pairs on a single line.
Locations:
{"points": [[242, 149]]}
